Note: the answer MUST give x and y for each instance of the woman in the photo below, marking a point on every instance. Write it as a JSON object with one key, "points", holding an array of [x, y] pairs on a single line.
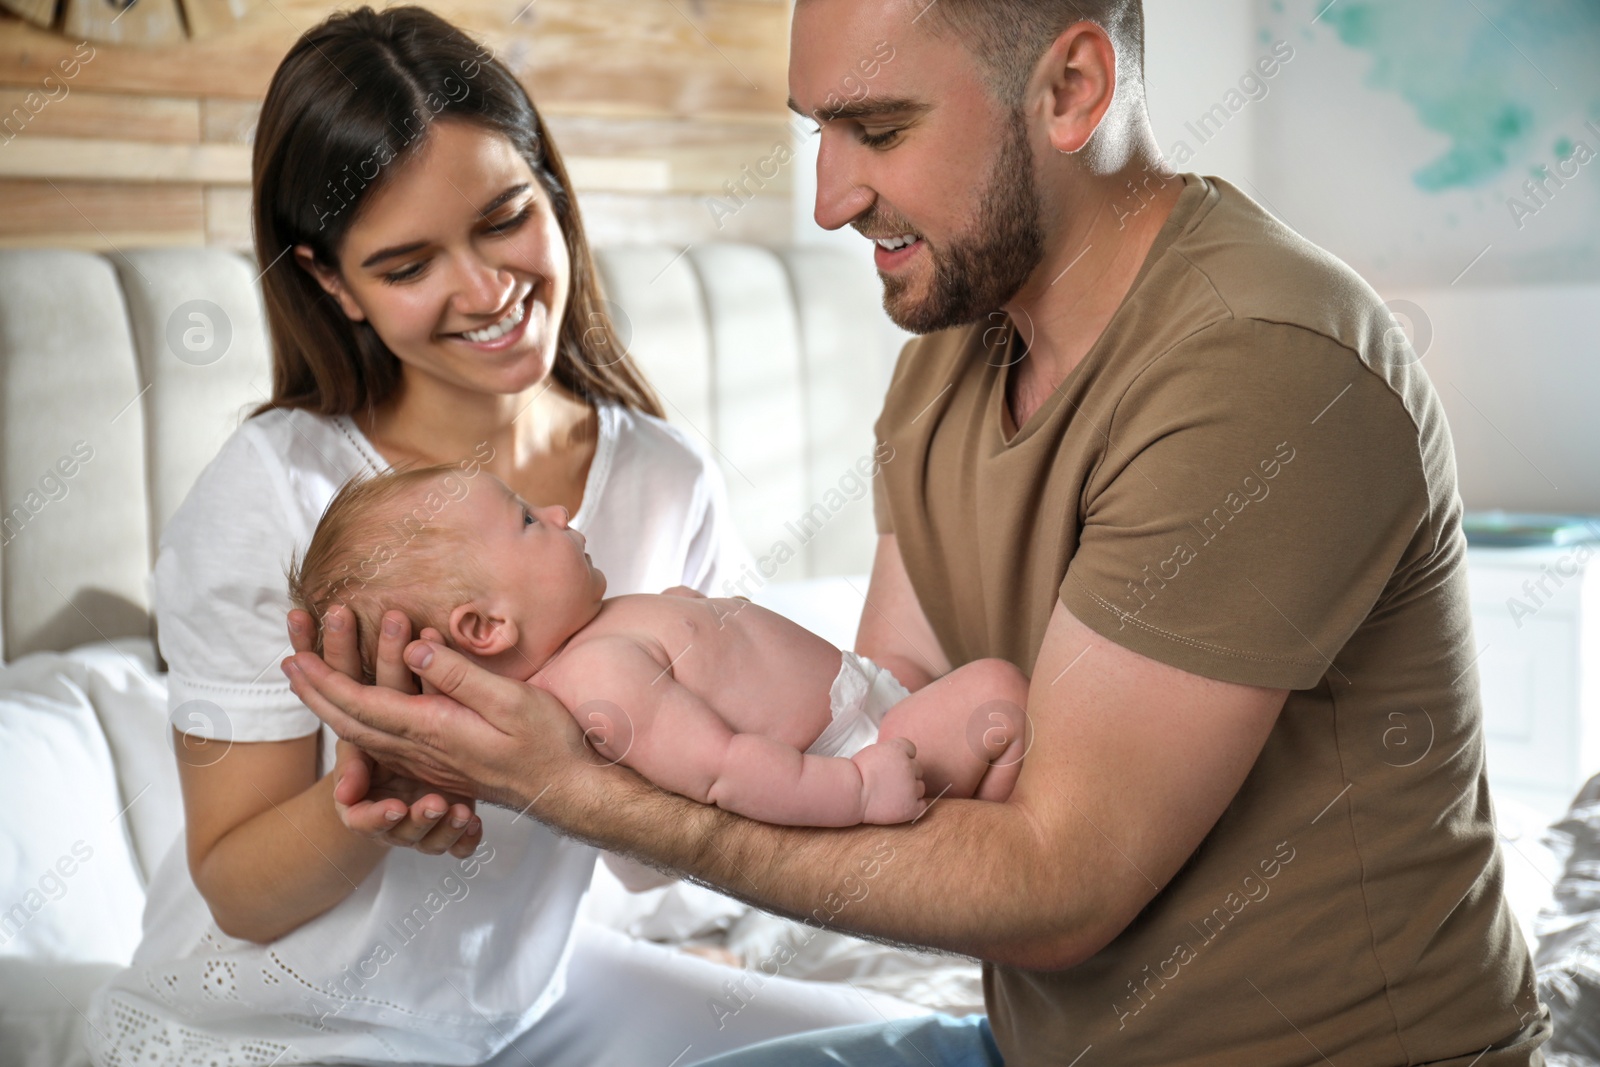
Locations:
{"points": [[430, 298]]}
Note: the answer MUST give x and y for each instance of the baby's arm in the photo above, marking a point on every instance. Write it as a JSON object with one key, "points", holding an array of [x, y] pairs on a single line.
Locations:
{"points": [[680, 743]]}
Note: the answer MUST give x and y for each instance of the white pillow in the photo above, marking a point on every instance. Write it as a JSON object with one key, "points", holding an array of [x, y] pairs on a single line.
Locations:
{"points": [[41, 1011], [69, 888], [130, 698]]}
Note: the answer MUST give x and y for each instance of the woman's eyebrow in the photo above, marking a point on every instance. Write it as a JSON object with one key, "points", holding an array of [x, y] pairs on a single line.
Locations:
{"points": [[483, 212]]}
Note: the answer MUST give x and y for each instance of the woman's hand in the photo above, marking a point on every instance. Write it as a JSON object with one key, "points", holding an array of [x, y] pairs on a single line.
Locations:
{"points": [[372, 800], [387, 806], [470, 731]]}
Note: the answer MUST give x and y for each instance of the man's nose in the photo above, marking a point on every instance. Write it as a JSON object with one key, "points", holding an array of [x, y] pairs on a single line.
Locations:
{"points": [[840, 199]]}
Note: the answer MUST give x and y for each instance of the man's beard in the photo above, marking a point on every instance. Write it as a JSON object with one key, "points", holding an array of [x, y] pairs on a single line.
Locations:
{"points": [[983, 269]]}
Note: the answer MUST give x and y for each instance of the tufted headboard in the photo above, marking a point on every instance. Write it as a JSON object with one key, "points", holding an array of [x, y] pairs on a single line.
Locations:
{"points": [[775, 359]]}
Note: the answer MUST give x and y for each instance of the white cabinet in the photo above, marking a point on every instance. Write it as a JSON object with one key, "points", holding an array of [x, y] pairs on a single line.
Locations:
{"points": [[1536, 619]]}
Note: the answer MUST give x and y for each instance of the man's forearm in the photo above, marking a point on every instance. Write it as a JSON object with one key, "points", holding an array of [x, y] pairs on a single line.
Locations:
{"points": [[970, 877]]}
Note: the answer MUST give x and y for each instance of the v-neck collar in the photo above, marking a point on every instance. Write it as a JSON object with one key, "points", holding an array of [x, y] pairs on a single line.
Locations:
{"points": [[1195, 190]]}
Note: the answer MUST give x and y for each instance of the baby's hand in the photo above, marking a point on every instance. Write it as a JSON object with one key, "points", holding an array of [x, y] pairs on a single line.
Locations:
{"points": [[891, 782]]}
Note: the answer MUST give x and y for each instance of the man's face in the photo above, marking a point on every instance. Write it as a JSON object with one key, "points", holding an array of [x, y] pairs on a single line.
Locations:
{"points": [[914, 146]]}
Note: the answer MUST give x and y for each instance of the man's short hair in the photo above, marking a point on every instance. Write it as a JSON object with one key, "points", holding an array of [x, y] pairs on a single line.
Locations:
{"points": [[1009, 36]]}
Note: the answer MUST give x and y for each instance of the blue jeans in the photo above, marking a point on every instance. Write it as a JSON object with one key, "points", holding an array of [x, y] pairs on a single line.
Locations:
{"points": [[940, 1040]]}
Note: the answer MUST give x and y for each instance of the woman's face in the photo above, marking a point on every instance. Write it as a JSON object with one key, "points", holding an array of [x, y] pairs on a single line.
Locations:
{"points": [[459, 264]]}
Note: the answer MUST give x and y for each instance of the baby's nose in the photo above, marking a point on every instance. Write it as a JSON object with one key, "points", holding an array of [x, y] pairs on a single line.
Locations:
{"points": [[559, 515]]}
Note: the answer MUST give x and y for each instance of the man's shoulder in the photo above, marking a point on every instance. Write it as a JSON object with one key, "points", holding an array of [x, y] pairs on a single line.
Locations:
{"points": [[1236, 260], [1241, 293]]}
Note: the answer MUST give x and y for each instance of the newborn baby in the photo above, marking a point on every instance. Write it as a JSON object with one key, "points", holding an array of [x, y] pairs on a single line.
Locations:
{"points": [[714, 698]]}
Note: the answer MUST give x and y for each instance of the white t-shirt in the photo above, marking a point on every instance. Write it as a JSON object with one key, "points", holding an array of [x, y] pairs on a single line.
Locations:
{"points": [[431, 959]]}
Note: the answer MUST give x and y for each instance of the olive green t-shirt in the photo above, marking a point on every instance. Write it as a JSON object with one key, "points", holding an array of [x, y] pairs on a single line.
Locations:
{"points": [[1248, 477]]}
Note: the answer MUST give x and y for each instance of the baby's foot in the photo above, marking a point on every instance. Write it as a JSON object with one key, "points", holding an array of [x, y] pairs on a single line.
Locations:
{"points": [[891, 782]]}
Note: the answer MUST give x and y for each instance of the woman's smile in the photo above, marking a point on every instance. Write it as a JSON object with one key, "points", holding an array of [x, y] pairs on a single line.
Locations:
{"points": [[506, 332]]}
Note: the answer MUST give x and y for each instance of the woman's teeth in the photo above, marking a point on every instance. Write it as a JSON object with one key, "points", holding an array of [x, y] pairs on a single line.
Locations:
{"points": [[894, 244], [499, 329]]}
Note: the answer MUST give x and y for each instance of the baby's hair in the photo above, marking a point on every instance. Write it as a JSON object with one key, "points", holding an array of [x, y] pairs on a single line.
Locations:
{"points": [[384, 544]]}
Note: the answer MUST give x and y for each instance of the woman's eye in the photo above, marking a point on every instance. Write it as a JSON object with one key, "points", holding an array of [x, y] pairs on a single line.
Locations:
{"points": [[878, 140], [513, 222], [405, 274], [499, 229]]}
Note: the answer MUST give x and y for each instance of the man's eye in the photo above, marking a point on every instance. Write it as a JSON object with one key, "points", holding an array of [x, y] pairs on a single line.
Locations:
{"points": [[878, 140]]}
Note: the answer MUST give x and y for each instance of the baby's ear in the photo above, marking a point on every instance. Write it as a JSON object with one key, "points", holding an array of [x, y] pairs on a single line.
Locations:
{"points": [[474, 630]]}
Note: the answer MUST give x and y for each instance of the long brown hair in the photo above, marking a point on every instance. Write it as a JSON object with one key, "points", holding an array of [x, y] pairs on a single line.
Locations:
{"points": [[346, 92]]}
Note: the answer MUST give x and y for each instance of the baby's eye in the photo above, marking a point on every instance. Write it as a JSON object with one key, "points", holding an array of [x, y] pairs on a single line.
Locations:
{"points": [[527, 517]]}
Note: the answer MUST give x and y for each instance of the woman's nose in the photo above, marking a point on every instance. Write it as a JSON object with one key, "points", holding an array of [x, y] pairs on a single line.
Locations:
{"points": [[485, 289]]}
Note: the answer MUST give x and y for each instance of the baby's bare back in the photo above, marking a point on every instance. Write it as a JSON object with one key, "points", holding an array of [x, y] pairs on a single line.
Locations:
{"points": [[760, 672]]}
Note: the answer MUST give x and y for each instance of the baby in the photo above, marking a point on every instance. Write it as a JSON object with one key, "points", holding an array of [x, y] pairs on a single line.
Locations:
{"points": [[714, 698]]}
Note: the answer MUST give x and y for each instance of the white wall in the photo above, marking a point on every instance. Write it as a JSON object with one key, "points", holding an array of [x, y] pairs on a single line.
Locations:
{"points": [[1194, 54], [807, 232], [1518, 371]]}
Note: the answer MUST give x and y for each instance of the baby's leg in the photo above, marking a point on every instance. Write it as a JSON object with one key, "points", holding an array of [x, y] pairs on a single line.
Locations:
{"points": [[970, 729]]}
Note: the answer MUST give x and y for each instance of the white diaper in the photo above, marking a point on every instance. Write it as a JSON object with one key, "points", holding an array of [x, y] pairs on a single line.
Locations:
{"points": [[861, 694]]}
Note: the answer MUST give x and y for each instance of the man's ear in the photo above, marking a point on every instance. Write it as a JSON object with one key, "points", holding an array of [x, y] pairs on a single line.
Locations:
{"points": [[1080, 76], [475, 631], [331, 282]]}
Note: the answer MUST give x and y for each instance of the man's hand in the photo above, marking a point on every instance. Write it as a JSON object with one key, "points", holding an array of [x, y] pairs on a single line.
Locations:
{"points": [[374, 801], [470, 731]]}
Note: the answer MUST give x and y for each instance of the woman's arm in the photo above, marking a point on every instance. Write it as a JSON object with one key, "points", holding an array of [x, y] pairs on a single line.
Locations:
{"points": [[268, 846], [266, 849]]}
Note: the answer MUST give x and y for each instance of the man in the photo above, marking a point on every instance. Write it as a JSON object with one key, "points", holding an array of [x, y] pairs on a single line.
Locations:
{"points": [[1173, 462]]}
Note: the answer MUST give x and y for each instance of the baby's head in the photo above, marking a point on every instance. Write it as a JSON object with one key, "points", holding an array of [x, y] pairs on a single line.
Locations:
{"points": [[506, 583]]}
